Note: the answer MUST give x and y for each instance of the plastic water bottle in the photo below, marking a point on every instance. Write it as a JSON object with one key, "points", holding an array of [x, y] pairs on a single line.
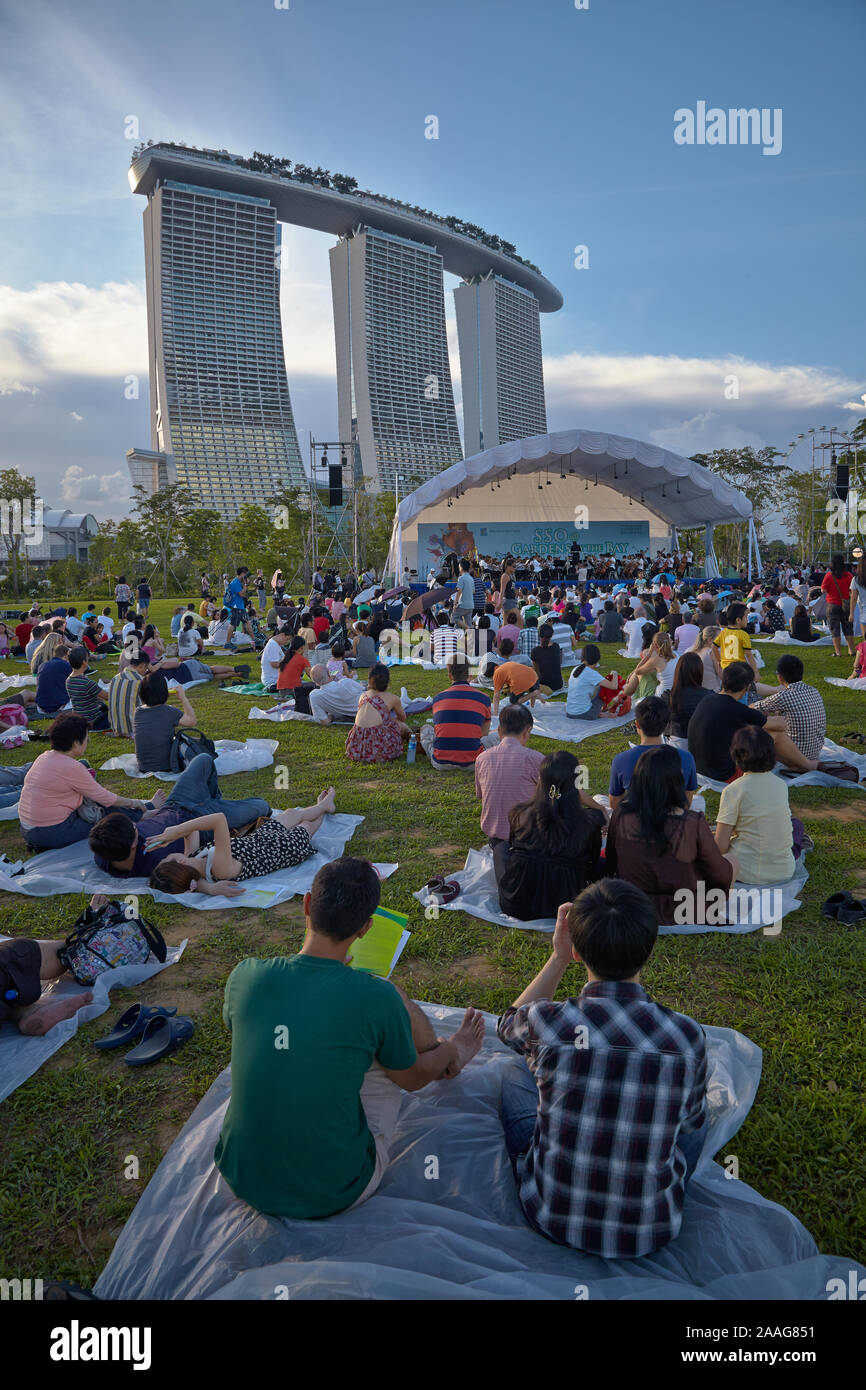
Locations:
{"points": [[410, 751]]}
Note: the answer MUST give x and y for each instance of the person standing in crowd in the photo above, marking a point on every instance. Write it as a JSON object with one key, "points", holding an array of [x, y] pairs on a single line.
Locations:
{"points": [[144, 594], [122, 598], [837, 585]]}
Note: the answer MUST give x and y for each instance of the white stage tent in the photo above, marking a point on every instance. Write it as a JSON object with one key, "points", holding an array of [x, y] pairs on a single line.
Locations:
{"points": [[683, 494]]}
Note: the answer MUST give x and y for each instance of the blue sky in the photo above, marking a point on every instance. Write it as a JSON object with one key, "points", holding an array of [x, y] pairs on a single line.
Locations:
{"points": [[555, 130]]}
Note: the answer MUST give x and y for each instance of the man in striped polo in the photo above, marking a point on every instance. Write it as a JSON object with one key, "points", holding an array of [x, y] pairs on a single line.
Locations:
{"points": [[461, 721]]}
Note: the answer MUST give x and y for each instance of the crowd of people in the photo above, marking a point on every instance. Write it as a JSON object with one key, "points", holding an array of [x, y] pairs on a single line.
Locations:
{"points": [[608, 868]]}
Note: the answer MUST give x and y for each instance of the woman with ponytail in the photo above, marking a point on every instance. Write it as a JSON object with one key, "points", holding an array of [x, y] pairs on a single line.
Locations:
{"points": [[582, 700], [554, 847]]}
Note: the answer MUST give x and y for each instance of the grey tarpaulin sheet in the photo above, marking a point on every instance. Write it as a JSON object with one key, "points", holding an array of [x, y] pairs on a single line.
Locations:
{"points": [[232, 755], [784, 639], [461, 1235], [72, 870], [21, 1056], [853, 682], [551, 721], [478, 897]]}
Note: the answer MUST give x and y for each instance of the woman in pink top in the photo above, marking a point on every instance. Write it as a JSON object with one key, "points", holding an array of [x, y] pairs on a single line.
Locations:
{"points": [[60, 798]]}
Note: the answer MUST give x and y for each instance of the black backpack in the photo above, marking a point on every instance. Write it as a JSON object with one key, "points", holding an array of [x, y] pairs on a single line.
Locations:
{"points": [[184, 747]]}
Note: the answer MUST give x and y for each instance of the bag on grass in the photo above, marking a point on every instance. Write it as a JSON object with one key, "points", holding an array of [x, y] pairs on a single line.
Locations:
{"points": [[607, 695], [184, 748], [837, 768], [106, 937]]}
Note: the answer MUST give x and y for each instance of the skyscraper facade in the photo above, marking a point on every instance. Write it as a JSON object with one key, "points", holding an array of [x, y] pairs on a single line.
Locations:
{"points": [[394, 389], [501, 374], [220, 403]]}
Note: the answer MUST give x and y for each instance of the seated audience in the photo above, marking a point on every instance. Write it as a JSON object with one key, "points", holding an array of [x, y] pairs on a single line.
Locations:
{"points": [[24, 966], [801, 626], [60, 798], [447, 640], [272, 656], [123, 692], [547, 659], [363, 648], [653, 673], [53, 671], [687, 692], [52, 646], [294, 664], [461, 721], [611, 624], [754, 816], [515, 679], [333, 699], [635, 1093], [281, 841], [716, 720], [734, 642], [651, 719], [705, 647], [85, 693], [380, 724], [329, 1103], [506, 775], [155, 722], [189, 648], [554, 844], [797, 717], [657, 843], [582, 700]]}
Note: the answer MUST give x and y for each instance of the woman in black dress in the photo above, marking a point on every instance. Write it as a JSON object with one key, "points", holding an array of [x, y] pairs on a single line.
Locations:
{"points": [[555, 844]]}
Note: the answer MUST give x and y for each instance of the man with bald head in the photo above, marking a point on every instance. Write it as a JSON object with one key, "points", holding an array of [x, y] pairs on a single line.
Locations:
{"points": [[334, 697]]}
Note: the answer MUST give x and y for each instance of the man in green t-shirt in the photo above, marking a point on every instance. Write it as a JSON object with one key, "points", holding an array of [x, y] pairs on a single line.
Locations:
{"points": [[321, 1054]]}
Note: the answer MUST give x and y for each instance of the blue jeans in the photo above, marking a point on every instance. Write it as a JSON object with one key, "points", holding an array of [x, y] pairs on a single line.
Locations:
{"points": [[198, 791], [518, 1112]]}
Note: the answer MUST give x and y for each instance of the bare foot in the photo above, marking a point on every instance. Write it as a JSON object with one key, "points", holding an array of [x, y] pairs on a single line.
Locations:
{"points": [[159, 799], [325, 800], [467, 1040], [44, 1016]]}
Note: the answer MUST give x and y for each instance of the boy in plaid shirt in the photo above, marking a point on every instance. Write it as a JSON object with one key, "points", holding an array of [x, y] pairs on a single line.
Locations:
{"points": [[606, 1124]]}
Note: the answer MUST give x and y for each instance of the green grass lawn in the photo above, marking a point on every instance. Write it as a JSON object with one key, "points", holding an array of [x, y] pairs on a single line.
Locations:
{"points": [[66, 1134]]}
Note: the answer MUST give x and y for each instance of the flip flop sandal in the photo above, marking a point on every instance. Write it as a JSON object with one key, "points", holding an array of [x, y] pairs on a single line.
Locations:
{"points": [[131, 1025], [161, 1036], [832, 906], [853, 914], [855, 737], [243, 670]]}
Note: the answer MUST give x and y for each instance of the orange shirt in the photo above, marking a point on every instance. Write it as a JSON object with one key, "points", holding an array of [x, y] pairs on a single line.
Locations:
{"points": [[293, 671], [517, 677]]}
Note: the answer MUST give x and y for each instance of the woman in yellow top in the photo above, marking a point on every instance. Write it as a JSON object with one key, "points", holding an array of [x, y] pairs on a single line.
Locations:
{"points": [[754, 816]]}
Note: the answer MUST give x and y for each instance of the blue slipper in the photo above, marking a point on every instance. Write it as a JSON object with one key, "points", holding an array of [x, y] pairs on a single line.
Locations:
{"points": [[161, 1036], [132, 1024]]}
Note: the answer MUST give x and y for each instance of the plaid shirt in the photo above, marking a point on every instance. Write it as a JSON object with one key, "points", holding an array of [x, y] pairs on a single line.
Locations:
{"points": [[802, 706], [527, 641], [603, 1173]]}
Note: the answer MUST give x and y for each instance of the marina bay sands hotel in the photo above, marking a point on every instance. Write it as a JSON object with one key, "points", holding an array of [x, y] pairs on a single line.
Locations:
{"points": [[221, 413]]}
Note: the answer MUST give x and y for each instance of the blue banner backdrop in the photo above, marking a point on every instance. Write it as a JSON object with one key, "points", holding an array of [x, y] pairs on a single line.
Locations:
{"points": [[528, 538]]}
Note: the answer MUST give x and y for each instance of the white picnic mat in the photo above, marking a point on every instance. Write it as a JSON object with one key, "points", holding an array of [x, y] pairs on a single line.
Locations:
{"points": [[853, 683], [21, 1056], [479, 897], [831, 750], [784, 639], [462, 1236], [15, 682], [72, 870], [551, 721], [232, 756]]}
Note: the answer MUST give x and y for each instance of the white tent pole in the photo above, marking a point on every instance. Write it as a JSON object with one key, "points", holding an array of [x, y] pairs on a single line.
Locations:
{"points": [[749, 550]]}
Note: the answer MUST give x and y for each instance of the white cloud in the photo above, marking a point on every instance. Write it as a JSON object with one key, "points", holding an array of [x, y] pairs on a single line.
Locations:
{"points": [[682, 382], [73, 414], [16, 388], [71, 329], [78, 486]]}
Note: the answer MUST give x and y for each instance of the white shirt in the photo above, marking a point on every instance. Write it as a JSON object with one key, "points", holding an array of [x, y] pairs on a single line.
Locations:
{"points": [[339, 699], [787, 603], [187, 642], [126, 630], [597, 604], [581, 574], [634, 631], [75, 626], [218, 631], [685, 635], [107, 625], [272, 655]]}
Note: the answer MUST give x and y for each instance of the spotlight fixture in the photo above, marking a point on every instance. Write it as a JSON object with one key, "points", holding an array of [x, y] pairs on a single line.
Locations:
{"points": [[595, 484], [664, 494], [629, 499], [614, 471], [540, 488], [641, 496], [570, 463], [586, 488], [626, 468], [678, 485]]}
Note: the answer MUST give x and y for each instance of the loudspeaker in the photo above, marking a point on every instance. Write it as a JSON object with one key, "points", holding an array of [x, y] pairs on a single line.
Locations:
{"points": [[335, 485], [841, 479]]}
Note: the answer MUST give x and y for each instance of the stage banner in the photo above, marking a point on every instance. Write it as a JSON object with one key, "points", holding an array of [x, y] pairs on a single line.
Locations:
{"points": [[528, 538]]}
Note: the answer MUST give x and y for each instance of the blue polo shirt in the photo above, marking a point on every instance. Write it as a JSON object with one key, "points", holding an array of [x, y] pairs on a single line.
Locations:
{"points": [[623, 766]]}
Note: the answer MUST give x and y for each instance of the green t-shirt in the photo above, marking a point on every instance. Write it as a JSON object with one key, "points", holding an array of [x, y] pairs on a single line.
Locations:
{"points": [[295, 1140]]}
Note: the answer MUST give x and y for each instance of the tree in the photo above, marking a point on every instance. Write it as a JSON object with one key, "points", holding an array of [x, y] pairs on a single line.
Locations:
{"points": [[203, 540], [159, 516], [17, 514], [759, 476]]}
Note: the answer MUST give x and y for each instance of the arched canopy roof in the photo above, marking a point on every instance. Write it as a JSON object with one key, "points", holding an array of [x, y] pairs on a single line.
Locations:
{"points": [[682, 493]]}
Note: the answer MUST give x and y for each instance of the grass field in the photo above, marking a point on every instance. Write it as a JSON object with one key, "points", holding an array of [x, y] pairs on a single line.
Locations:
{"points": [[66, 1134]]}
